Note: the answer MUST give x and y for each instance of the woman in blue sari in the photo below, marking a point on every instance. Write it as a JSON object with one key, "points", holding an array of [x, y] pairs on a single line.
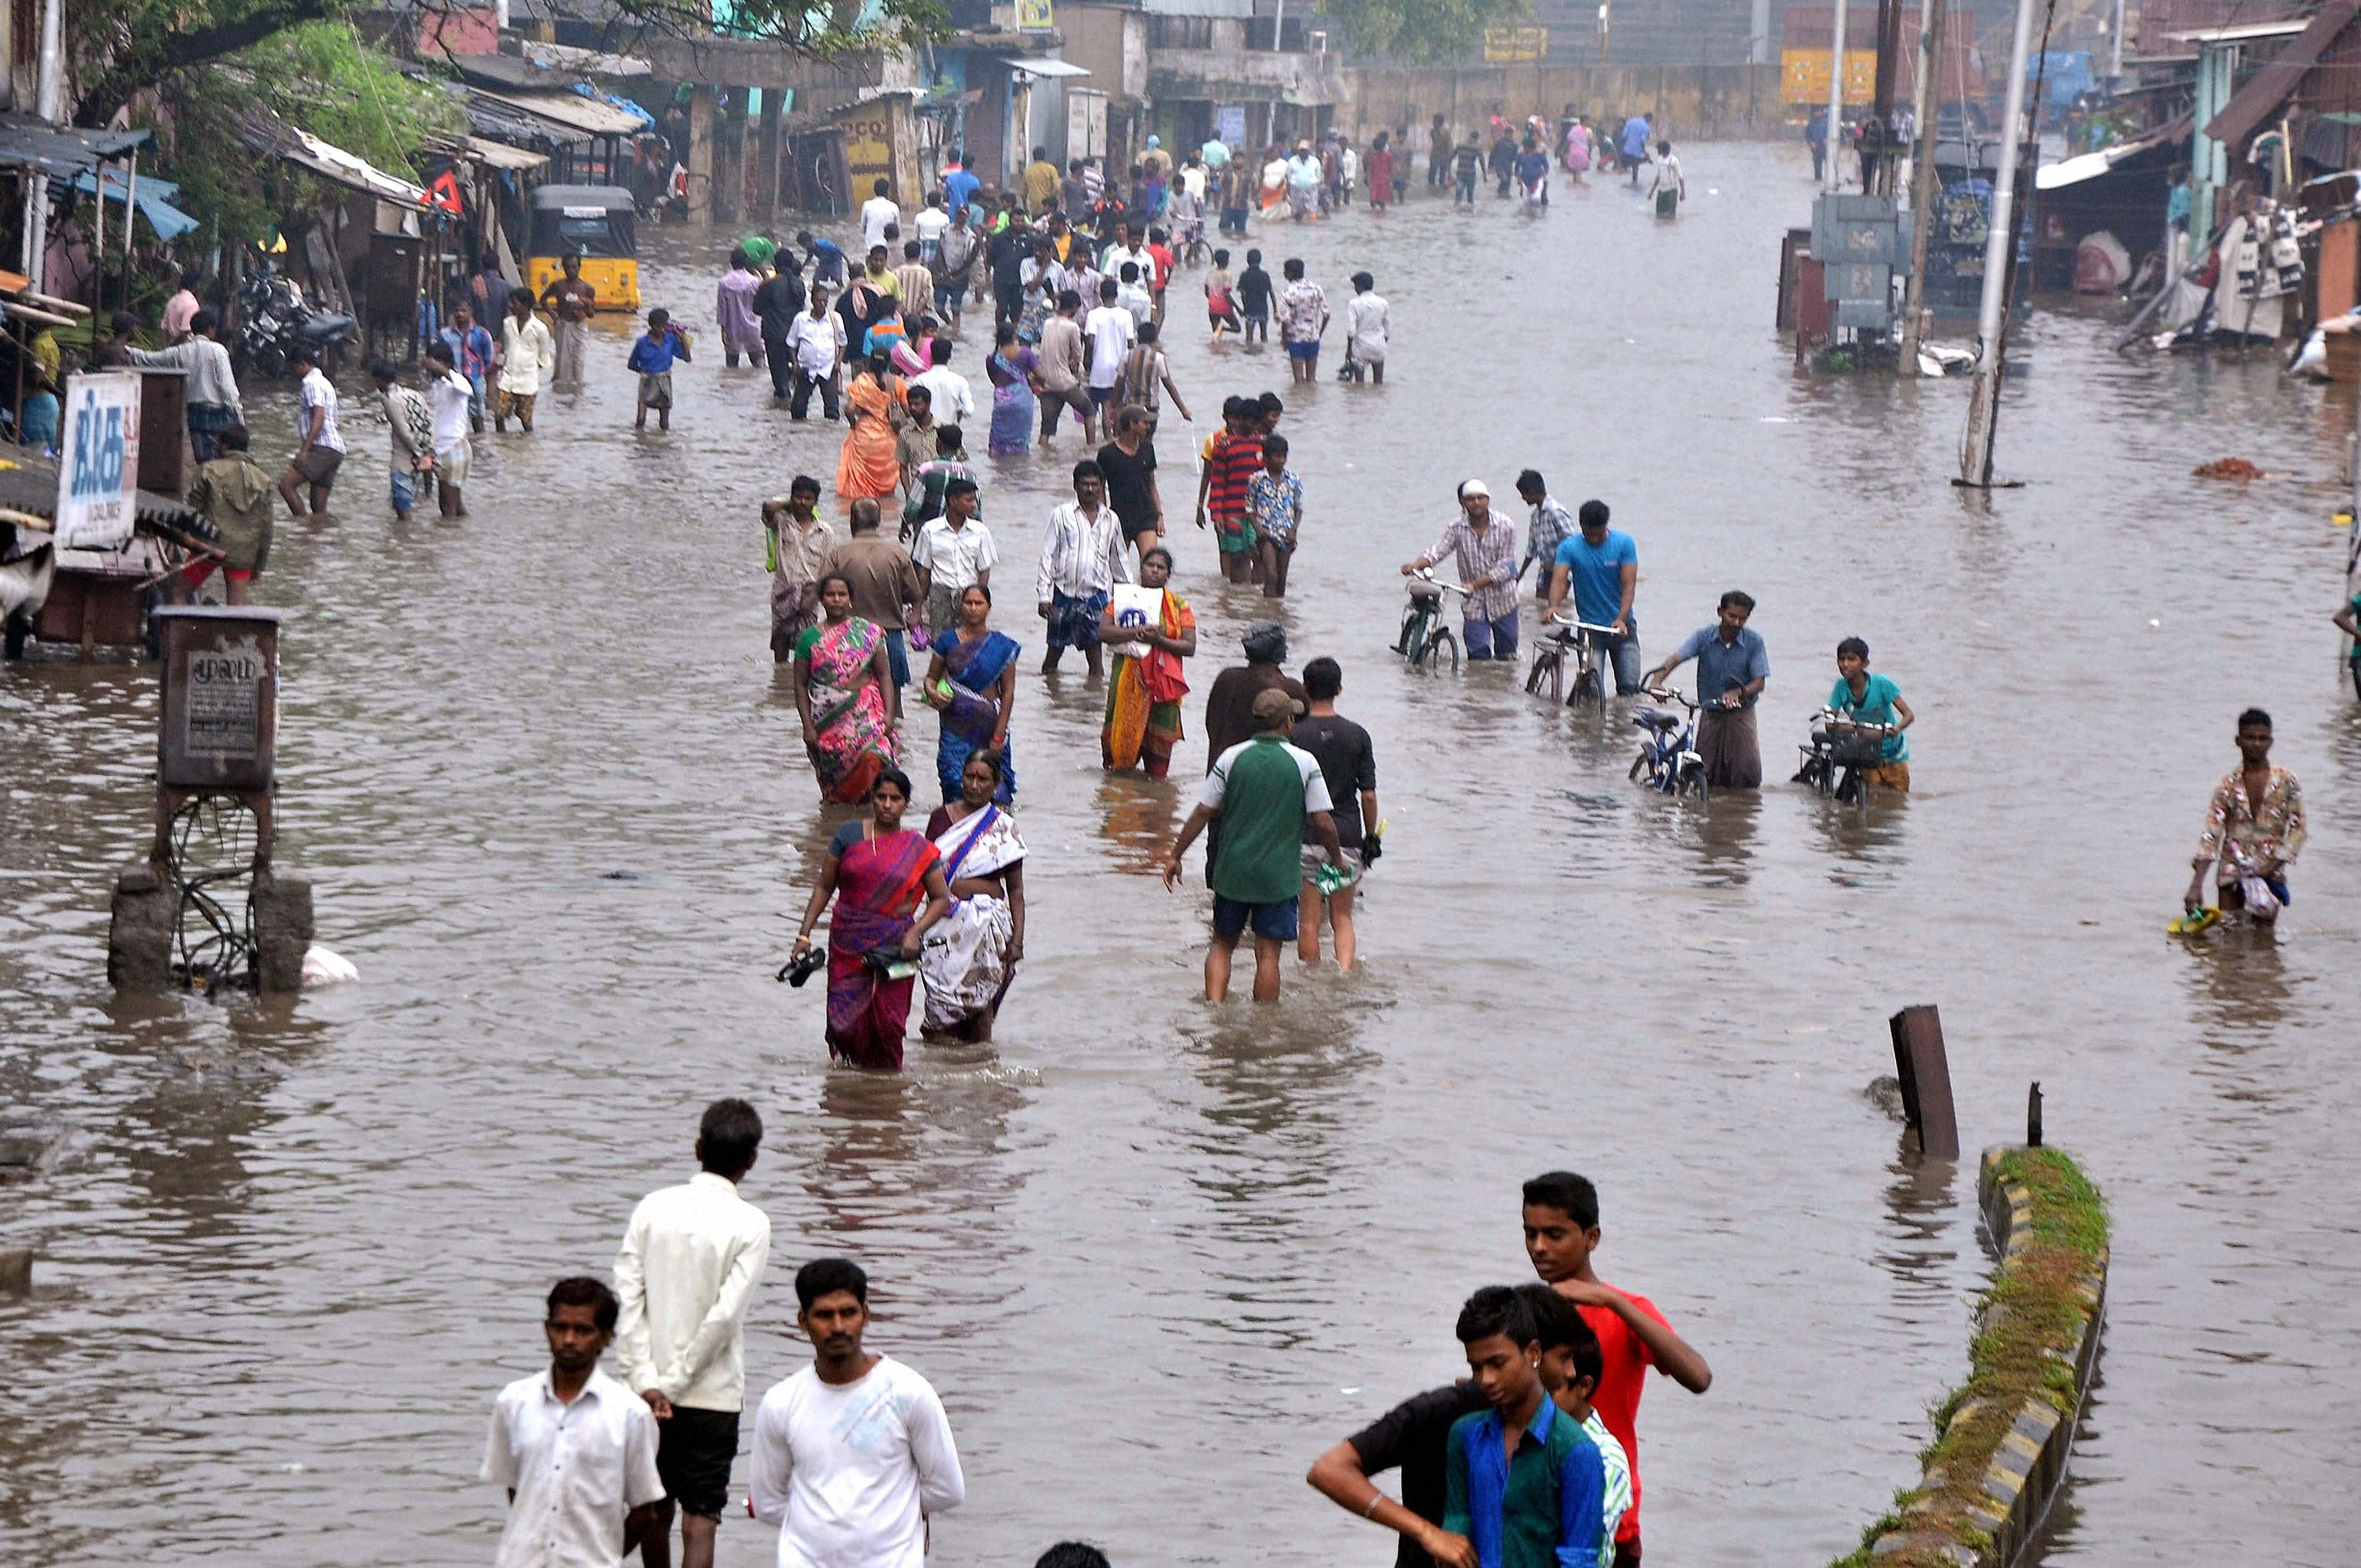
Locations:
{"points": [[973, 684]]}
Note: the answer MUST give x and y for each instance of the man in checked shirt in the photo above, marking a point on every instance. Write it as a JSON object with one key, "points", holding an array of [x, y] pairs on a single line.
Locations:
{"points": [[1485, 544]]}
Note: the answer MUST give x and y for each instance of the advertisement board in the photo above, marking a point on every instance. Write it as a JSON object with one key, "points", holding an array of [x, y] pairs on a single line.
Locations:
{"points": [[98, 465]]}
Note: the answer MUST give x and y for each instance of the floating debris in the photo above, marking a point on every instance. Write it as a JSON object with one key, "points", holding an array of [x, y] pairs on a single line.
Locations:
{"points": [[2229, 468]]}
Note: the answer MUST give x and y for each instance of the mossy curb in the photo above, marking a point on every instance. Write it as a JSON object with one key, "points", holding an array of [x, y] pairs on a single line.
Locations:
{"points": [[1999, 1456]]}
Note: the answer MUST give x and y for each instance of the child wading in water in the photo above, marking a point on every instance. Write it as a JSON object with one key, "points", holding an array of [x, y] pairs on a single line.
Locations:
{"points": [[651, 357], [1221, 303], [1275, 498]]}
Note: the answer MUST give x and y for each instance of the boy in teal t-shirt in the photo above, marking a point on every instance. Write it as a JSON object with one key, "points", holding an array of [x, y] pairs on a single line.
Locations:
{"points": [[1873, 699]]}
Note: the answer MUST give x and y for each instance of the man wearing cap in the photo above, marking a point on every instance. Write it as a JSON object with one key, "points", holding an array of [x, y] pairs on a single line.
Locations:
{"points": [[1266, 793], [1229, 707], [1485, 544]]}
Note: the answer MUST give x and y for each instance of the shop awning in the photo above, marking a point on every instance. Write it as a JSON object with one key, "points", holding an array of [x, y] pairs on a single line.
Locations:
{"points": [[574, 111], [156, 198], [267, 133], [500, 155], [2091, 165], [1034, 65], [60, 152]]}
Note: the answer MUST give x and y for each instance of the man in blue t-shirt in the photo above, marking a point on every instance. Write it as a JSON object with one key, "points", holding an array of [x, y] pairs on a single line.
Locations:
{"points": [[1602, 565], [960, 186], [1633, 145], [1873, 699]]}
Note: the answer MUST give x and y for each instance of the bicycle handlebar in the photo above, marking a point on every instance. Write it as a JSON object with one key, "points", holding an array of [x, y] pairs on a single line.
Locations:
{"points": [[1577, 625], [1672, 694], [1438, 582], [1835, 717]]}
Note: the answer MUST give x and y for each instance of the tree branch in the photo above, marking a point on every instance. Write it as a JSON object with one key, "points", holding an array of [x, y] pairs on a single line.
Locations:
{"points": [[139, 67]]}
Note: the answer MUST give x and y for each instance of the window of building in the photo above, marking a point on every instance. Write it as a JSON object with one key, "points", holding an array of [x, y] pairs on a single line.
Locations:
{"points": [[1181, 32]]}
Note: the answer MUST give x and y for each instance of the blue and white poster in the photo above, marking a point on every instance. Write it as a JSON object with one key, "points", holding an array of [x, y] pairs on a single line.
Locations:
{"points": [[98, 466]]}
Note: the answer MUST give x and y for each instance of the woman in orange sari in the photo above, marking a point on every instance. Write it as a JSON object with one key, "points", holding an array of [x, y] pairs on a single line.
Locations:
{"points": [[866, 468], [1143, 711]]}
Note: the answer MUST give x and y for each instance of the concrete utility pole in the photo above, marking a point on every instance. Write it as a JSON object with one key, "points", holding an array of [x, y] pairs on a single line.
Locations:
{"points": [[1758, 51], [1925, 108], [1836, 102], [2000, 260], [49, 104], [2115, 41]]}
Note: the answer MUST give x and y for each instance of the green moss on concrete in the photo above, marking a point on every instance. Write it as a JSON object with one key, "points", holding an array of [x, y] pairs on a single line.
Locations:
{"points": [[2030, 1319]]}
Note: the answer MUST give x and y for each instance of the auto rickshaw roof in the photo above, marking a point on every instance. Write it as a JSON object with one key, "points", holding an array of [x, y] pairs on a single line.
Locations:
{"points": [[614, 198]]}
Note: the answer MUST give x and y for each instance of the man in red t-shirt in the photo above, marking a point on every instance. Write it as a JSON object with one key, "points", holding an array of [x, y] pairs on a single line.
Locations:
{"points": [[1561, 1232]]}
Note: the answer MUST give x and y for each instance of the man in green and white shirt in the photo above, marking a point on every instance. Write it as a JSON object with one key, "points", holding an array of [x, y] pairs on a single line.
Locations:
{"points": [[1266, 793]]}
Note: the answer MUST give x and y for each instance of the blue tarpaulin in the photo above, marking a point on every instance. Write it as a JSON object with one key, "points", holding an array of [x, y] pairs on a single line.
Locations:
{"points": [[156, 197]]}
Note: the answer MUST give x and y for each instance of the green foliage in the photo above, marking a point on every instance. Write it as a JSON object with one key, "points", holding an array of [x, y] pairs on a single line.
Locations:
{"points": [[825, 28], [1422, 32], [320, 76]]}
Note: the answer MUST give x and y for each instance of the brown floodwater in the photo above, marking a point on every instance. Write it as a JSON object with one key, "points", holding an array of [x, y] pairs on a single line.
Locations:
{"points": [[1158, 1254]]}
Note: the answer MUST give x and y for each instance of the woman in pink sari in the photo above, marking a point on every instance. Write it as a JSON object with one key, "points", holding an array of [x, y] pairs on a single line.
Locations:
{"points": [[845, 692], [889, 888]]}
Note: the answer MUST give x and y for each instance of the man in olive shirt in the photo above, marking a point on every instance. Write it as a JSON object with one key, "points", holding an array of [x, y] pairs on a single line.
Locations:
{"points": [[885, 581]]}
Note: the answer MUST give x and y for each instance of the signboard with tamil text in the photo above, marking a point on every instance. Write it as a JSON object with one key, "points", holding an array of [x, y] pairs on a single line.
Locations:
{"points": [[98, 468], [1515, 45]]}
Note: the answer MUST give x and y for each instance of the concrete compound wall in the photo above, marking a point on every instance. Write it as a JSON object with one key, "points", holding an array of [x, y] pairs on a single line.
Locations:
{"points": [[1690, 103], [2025, 1475]]}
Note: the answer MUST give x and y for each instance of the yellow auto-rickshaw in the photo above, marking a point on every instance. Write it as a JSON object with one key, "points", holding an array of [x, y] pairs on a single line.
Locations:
{"points": [[597, 223]]}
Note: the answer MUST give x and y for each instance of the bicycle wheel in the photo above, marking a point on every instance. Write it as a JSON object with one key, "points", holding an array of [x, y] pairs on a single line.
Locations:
{"points": [[1639, 764], [1849, 790], [1546, 667], [1690, 784], [1443, 641]]}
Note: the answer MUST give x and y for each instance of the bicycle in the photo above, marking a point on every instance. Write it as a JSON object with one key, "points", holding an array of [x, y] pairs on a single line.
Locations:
{"points": [[1423, 637], [1581, 638], [1668, 757], [1841, 749], [1194, 252]]}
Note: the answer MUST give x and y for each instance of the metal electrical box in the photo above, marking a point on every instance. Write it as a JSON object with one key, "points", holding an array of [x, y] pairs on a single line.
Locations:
{"points": [[221, 697], [1865, 243]]}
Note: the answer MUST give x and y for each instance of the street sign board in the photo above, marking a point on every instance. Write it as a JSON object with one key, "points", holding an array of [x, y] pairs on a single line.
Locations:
{"points": [[98, 474]]}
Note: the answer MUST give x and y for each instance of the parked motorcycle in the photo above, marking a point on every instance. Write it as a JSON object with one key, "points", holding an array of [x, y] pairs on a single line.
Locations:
{"points": [[274, 321]]}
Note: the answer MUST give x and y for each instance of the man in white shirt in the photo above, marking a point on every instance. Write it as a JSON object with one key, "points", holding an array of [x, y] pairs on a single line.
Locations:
{"points": [[1131, 293], [852, 1453], [932, 223], [1108, 332], [214, 402], [878, 213], [954, 399], [575, 1450], [953, 552], [1367, 323], [817, 343], [528, 356], [449, 396], [1128, 247], [686, 1273], [1081, 563], [320, 447]]}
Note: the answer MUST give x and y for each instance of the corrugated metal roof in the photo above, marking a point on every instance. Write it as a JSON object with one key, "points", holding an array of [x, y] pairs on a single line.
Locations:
{"points": [[63, 152], [574, 111]]}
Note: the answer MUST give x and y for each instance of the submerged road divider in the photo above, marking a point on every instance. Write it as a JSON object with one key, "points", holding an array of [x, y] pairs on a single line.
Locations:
{"points": [[1999, 1456]]}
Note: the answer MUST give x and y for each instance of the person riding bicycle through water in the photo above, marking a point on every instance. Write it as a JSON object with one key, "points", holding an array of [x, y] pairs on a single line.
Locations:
{"points": [[1485, 543], [1602, 565], [1873, 699], [1733, 666]]}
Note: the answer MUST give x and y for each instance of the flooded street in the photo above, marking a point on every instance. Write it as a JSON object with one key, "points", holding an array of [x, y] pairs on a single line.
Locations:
{"points": [[1158, 1254]]}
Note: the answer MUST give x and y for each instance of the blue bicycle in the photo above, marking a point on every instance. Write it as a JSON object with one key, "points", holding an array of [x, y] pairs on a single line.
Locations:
{"points": [[1668, 759]]}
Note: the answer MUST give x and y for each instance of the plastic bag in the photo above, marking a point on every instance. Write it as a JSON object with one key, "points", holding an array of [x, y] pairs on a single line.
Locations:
{"points": [[2262, 902]]}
